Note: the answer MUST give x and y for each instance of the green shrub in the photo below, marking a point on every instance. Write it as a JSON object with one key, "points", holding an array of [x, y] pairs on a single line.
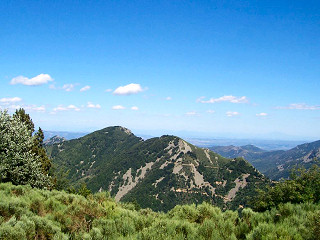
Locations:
{"points": [[27, 213]]}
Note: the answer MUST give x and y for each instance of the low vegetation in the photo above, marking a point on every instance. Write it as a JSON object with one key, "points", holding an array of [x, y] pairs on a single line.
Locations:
{"points": [[28, 213]]}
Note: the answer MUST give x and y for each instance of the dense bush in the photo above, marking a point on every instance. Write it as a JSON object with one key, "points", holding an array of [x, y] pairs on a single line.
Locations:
{"points": [[27, 213], [18, 164], [303, 186]]}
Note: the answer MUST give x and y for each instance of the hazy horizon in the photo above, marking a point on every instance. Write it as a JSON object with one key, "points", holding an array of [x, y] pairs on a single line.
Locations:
{"points": [[201, 135]]}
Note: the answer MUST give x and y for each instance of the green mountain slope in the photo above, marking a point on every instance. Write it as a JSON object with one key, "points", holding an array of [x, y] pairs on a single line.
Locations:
{"points": [[259, 158], [158, 173], [274, 164], [303, 155]]}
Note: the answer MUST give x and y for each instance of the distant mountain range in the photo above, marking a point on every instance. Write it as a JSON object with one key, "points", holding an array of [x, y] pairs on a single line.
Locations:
{"points": [[64, 134], [158, 173], [266, 144], [274, 164], [53, 140]]}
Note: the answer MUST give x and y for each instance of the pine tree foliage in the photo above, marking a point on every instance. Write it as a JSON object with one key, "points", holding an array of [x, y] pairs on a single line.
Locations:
{"points": [[38, 149], [18, 164], [38, 137], [25, 118]]}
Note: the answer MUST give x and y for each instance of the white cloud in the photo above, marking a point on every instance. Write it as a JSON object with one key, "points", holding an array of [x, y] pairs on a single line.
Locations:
{"points": [[210, 111], [229, 98], [73, 107], [91, 105], [118, 107], [108, 90], [129, 89], [168, 98], [10, 100], [231, 114], [261, 114], [300, 106], [68, 108], [37, 80], [192, 113], [134, 108], [68, 87], [85, 88]]}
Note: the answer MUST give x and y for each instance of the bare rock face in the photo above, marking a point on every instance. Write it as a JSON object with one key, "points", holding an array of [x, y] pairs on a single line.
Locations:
{"points": [[158, 173], [54, 140]]}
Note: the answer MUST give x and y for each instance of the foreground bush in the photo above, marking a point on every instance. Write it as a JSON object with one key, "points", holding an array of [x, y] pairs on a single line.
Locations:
{"points": [[303, 186], [18, 163], [27, 213]]}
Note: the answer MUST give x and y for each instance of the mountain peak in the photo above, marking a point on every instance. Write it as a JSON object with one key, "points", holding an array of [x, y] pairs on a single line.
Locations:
{"points": [[159, 173], [53, 140]]}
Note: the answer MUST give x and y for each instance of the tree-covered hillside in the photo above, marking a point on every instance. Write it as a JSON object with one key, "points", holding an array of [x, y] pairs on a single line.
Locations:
{"points": [[274, 164], [158, 173]]}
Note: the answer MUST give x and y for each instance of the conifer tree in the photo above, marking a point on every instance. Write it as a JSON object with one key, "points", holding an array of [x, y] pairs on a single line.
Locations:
{"points": [[25, 118], [38, 137], [39, 150]]}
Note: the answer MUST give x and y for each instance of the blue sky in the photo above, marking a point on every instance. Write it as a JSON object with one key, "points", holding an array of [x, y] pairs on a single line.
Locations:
{"points": [[213, 68]]}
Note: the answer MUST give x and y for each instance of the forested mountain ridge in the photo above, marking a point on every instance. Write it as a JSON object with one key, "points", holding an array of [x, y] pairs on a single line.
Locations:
{"points": [[158, 173], [304, 155], [274, 164]]}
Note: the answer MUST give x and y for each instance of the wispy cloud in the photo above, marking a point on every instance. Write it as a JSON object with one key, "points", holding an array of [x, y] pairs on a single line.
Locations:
{"points": [[210, 111], [262, 114], [85, 88], [37, 80], [118, 107], [35, 108], [135, 108], [168, 98], [68, 108], [91, 105], [11, 107], [10, 100], [108, 90], [232, 114], [230, 98], [52, 86], [192, 113], [129, 89], [68, 87], [300, 106]]}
